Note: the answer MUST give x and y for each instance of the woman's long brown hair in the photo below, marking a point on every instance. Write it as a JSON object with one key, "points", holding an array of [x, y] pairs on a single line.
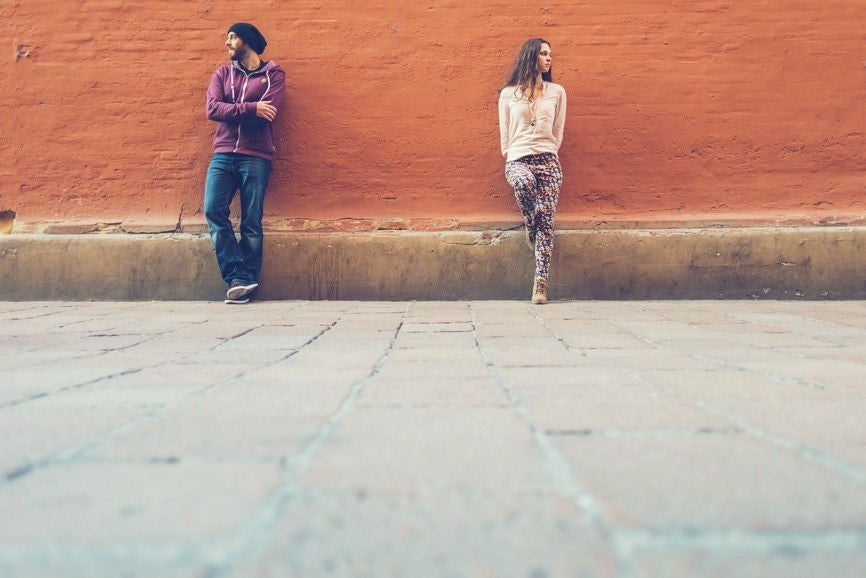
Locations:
{"points": [[524, 74]]}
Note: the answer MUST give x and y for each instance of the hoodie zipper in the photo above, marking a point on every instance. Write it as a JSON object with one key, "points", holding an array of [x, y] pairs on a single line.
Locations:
{"points": [[243, 94]]}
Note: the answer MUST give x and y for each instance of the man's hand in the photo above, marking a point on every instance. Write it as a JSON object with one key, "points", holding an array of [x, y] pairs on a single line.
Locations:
{"points": [[265, 110]]}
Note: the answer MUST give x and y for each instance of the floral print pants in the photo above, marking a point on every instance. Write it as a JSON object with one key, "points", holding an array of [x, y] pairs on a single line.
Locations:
{"points": [[536, 180]]}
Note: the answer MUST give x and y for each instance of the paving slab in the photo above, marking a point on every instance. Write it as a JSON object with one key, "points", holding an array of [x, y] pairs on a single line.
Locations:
{"points": [[622, 439], [453, 533]]}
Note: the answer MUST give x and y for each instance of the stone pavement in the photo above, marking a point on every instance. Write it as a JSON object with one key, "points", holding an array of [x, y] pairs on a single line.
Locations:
{"points": [[414, 439]]}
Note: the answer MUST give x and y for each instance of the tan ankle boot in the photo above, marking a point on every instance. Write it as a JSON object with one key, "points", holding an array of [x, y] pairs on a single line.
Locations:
{"points": [[539, 291]]}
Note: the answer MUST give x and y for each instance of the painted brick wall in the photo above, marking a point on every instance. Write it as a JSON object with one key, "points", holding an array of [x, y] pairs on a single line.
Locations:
{"points": [[677, 109]]}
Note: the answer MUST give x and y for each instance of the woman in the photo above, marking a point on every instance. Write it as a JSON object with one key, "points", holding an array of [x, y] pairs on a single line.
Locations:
{"points": [[531, 123]]}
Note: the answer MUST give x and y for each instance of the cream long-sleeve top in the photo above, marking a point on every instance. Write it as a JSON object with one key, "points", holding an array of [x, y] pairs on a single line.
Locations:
{"points": [[518, 137]]}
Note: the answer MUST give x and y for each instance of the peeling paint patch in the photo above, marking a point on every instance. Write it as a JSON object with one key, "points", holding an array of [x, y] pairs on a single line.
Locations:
{"points": [[22, 51], [7, 222], [485, 238]]}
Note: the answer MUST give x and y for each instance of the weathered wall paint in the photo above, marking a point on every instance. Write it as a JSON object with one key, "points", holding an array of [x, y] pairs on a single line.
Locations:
{"points": [[677, 109]]}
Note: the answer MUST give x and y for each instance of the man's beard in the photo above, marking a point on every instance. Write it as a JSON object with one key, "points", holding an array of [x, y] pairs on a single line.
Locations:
{"points": [[239, 53]]}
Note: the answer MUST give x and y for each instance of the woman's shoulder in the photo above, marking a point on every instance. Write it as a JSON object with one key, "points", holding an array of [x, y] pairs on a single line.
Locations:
{"points": [[556, 88]]}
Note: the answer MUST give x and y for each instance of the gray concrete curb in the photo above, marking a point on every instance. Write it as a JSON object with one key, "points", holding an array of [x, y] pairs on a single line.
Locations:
{"points": [[775, 263]]}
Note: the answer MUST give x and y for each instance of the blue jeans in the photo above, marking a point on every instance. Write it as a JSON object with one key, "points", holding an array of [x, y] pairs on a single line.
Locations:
{"points": [[227, 174]]}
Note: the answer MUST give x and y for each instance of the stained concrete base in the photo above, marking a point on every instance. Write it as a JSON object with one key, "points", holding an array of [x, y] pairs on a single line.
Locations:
{"points": [[776, 263]]}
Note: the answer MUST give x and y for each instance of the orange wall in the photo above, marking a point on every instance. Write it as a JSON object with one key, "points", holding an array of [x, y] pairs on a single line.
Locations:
{"points": [[678, 109]]}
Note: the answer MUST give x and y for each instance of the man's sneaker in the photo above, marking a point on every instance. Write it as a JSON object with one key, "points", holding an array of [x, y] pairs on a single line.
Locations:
{"points": [[239, 301], [238, 289]]}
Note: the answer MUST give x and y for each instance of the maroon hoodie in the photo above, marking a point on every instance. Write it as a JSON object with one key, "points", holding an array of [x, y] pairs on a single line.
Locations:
{"points": [[231, 101]]}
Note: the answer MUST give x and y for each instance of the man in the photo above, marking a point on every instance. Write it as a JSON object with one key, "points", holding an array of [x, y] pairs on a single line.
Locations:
{"points": [[243, 98]]}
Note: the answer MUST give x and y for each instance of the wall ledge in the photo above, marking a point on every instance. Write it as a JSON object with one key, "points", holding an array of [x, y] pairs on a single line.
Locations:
{"points": [[432, 224], [816, 262]]}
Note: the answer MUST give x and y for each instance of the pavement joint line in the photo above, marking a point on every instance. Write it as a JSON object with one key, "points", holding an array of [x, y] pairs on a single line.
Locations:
{"points": [[156, 555], [636, 541], [291, 353], [631, 541], [788, 380], [44, 394], [770, 375], [562, 475], [630, 332], [533, 310], [223, 556], [642, 433], [833, 463]]}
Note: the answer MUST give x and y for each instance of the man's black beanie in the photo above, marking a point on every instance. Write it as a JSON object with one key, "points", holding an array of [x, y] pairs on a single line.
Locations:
{"points": [[250, 35]]}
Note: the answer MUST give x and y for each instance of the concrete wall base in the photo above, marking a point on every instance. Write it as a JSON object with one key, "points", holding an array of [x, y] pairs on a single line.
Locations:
{"points": [[772, 263]]}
